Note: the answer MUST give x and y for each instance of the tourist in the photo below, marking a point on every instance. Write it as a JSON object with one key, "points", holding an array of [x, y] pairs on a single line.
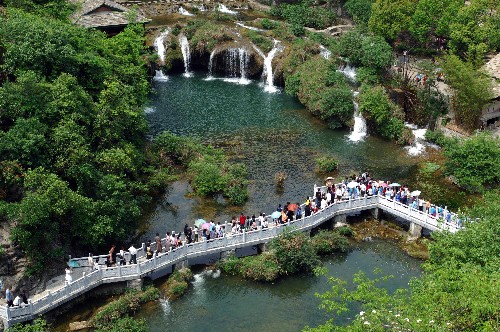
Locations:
{"points": [[90, 263], [24, 296], [133, 255], [298, 213], [68, 278], [149, 253], [96, 263], [307, 210], [195, 231], [243, 220], [112, 255], [121, 255], [9, 297], [260, 220], [432, 211], [188, 233], [17, 301], [158, 244], [323, 204], [264, 223]]}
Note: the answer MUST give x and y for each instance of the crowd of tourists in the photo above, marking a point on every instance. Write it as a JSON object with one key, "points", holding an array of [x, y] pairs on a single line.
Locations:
{"points": [[19, 300], [355, 187]]}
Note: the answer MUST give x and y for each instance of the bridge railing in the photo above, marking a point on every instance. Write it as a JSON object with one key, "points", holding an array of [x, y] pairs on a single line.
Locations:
{"points": [[126, 272]]}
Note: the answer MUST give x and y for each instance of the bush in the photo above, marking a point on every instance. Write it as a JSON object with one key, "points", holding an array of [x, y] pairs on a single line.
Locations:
{"points": [[294, 252], [474, 162], [305, 14], [327, 164], [327, 242], [268, 24], [263, 267], [437, 137], [345, 231], [230, 265], [263, 43], [128, 303], [127, 324]]}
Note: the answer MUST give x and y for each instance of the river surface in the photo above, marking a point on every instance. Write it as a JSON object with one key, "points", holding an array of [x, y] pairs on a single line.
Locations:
{"points": [[228, 303], [267, 132]]}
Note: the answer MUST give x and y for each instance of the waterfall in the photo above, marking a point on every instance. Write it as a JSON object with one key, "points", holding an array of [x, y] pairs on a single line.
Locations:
{"points": [[241, 24], [160, 77], [186, 55], [359, 130], [211, 67], [223, 9], [268, 66], [324, 52], [160, 47], [236, 62], [184, 12], [418, 145], [349, 72]]}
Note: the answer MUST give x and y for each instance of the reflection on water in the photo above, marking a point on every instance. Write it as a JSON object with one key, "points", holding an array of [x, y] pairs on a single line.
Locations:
{"points": [[269, 133], [231, 303]]}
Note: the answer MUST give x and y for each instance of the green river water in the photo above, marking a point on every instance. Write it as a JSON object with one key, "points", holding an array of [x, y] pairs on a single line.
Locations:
{"points": [[269, 133]]}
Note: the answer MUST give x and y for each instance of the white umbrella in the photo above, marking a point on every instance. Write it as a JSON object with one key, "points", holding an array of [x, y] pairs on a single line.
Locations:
{"points": [[415, 193], [395, 184], [352, 184]]}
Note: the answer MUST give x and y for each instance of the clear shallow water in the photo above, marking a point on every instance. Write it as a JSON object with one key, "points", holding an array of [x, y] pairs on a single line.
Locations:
{"points": [[267, 132], [232, 304]]}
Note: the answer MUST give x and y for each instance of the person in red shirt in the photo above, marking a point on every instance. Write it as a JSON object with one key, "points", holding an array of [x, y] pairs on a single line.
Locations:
{"points": [[242, 220]]}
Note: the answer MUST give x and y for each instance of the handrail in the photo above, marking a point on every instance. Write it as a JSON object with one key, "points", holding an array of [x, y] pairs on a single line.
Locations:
{"points": [[227, 242]]}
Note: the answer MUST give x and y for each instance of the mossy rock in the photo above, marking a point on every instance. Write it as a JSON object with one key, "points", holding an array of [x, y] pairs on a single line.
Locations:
{"points": [[176, 284]]}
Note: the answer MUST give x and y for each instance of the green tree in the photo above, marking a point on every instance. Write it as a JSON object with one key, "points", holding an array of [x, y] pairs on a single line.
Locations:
{"points": [[457, 292], [433, 18], [471, 90], [391, 18], [360, 10], [377, 54], [475, 30], [382, 115], [474, 161]]}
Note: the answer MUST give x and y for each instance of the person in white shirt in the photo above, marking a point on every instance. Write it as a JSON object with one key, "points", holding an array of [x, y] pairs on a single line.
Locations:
{"points": [[68, 278], [133, 254], [328, 198], [17, 301], [264, 223], [323, 204]]}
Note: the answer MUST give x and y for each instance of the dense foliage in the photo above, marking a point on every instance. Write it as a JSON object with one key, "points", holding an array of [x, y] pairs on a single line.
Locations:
{"points": [[382, 115], [305, 14], [327, 164], [323, 90], [471, 90], [458, 291], [473, 162], [289, 253]]}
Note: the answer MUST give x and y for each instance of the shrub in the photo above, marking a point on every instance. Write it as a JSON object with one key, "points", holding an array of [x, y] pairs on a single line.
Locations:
{"points": [[268, 24], [437, 137], [263, 267], [305, 14], [345, 231], [230, 265], [127, 324], [294, 252], [263, 43], [177, 283], [327, 242], [124, 305], [327, 164]]}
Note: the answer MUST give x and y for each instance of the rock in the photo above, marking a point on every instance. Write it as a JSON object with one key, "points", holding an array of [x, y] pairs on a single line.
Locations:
{"points": [[77, 326]]}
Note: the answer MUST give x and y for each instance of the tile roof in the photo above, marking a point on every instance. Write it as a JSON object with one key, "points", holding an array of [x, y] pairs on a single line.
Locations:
{"points": [[89, 16]]}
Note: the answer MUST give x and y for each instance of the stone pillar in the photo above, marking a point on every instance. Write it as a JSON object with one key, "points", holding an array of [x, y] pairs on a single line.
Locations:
{"points": [[415, 231], [225, 254], [262, 247], [375, 213], [135, 284]]}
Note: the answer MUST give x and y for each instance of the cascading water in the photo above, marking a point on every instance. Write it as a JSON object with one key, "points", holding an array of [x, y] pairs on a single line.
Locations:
{"points": [[160, 76], [349, 72], [211, 66], [418, 145], [223, 9], [324, 52], [184, 12], [160, 46], [359, 130], [186, 55], [236, 63], [268, 66], [241, 24]]}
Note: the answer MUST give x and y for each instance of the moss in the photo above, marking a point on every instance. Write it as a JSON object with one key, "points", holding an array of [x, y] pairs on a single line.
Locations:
{"points": [[203, 36]]}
